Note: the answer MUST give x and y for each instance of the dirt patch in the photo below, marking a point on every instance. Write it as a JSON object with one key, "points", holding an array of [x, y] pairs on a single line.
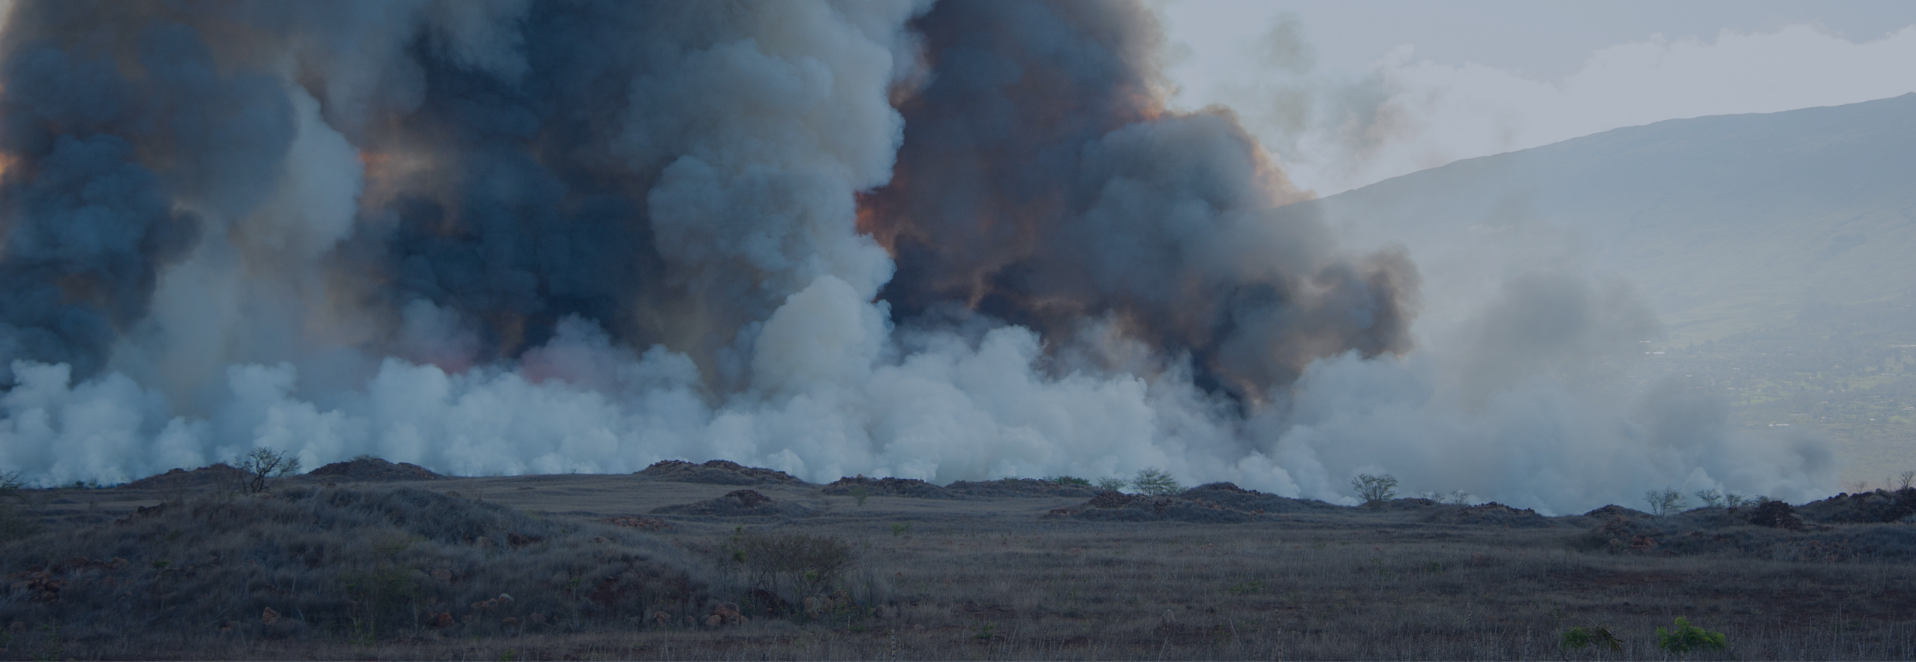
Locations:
{"points": [[1019, 487], [898, 487], [737, 503], [715, 472], [373, 470]]}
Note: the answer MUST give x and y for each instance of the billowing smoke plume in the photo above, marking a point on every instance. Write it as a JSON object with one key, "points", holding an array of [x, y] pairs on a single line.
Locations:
{"points": [[1042, 182], [961, 241]]}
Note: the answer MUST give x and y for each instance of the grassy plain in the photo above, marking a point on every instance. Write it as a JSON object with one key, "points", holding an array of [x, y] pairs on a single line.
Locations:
{"points": [[363, 571]]}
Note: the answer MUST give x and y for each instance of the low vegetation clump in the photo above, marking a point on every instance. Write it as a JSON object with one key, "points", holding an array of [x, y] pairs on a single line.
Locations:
{"points": [[1684, 638], [369, 565], [1155, 482], [1375, 490]]}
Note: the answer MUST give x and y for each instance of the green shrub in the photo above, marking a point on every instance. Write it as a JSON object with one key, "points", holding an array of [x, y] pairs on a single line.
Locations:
{"points": [[1156, 482], [1684, 637], [1113, 484], [1375, 490], [1069, 480], [793, 566], [1599, 636]]}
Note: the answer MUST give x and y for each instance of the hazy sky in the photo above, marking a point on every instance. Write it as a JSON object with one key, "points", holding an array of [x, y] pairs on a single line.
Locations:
{"points": [[1349, 93]]}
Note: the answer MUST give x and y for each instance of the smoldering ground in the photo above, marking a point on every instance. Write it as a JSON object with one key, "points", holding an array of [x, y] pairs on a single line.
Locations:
{"points": [[951, 241]]}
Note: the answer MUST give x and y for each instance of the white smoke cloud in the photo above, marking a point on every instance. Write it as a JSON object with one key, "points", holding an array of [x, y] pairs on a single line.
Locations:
{"points": [[262, 336]]}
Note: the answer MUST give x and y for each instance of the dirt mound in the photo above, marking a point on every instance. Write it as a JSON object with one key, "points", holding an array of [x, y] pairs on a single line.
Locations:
{"points": [[1613, 510], [1231, 496], [1019, 487], [899, 487], [1879, 506], [218, 476], [715, 472], [1491, 514], [373, 470], [1120, 507], [1776, 515], [737, 503]]}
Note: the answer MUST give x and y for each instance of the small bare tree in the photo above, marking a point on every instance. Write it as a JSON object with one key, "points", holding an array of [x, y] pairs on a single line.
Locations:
{"points": [[261, 464], [1155, 482], [1375, 490], [1712, 498], [1905, 479], [1664, 502]]}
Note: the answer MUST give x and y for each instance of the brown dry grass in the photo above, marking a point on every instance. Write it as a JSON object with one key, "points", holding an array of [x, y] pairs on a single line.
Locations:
{"points": [[994, 579]]}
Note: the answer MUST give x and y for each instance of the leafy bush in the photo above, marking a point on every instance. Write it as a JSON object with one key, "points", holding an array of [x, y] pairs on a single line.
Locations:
{"points": [[1069, 480], [1375, 490], [1684, 637], [789, 566], [1155, 482], [1113, 484], [1599, 636], [1664, 502]]}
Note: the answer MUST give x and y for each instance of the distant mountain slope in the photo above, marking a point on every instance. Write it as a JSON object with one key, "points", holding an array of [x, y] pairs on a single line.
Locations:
{"points": [[1726, 223]]}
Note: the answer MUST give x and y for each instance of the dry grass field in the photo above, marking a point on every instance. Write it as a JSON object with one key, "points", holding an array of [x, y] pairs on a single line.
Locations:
{"points": [[359, 566]]}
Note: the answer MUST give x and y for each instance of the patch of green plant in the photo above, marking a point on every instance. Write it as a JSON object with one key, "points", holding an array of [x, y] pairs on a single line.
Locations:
{"points": [[1113, 484], [1599, 636], [1069, 480], [900, 528], [1684, 637], [984, 631], [1245, 588], [860, 493]]}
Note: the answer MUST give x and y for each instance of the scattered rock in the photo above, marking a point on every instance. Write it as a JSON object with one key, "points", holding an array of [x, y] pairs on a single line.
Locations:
{"points": [[715, 472], [509, 622], [637, 522], [1490, 514], [898, 487], [1776, 515], [1019, 487], [268, 617], [444, 619], [372, 469], [1231, 496], [219, 475], [737, 503], [1120, 507], [442, 574], [1863, 507], [518, 540]]}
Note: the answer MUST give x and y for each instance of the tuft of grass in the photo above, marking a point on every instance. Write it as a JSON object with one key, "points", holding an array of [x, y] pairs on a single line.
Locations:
{"points": [[1684, 638]]}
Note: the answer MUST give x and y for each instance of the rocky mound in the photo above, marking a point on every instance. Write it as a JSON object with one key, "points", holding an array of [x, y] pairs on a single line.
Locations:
{"points": [[1864, 507], [220, 476], [1019, 487], [1231, 496], [737, 503], [1120, 507], [898, 487], [715, 472], [1613, 510], [373, 470], [1490, 514], [1776, 515]]}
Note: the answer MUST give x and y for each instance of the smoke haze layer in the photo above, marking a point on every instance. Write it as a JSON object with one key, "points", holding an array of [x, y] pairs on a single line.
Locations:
{"points": [[945, 242]]}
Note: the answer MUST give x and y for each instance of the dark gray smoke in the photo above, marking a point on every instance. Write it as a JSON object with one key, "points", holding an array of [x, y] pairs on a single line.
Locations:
{"points": [[1042, 181]]}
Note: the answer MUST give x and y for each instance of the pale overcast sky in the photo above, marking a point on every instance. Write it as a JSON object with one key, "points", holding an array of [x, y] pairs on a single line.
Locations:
{"points": [[1349, 93]]}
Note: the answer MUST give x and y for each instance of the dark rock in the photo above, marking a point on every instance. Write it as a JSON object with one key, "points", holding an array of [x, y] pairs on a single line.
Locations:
{"points": [[1019, 487], [1776, 515], [898, 487], [372, 469], [715, 472]]}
